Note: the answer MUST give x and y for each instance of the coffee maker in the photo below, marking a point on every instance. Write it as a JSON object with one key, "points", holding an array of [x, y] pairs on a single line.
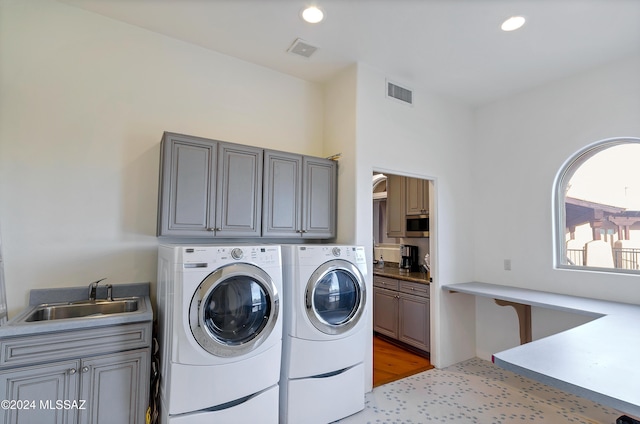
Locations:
{"points": [[409, 258]]}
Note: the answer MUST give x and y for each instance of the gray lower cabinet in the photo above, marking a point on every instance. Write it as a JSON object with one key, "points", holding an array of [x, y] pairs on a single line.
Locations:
{"points": [[299, 198], [401, 311], [37, 391], [209, 188], [103, 386]]}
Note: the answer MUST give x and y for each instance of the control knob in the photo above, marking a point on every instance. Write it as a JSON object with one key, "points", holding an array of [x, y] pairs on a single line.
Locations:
{"points": [[236, 253], [336, 251]]}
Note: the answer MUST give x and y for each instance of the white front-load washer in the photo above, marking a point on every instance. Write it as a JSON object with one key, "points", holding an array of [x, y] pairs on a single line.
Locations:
{"points": [[220, 333], [324, 335]]}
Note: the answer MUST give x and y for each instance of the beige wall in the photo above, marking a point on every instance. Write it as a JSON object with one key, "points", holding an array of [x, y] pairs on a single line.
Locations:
{"points": [[84, 103]]}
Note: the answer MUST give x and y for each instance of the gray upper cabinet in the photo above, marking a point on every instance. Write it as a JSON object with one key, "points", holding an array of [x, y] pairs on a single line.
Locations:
{"points": [[299, 196], [209, 188], [239, 191], [282, 194], [318, 197]]}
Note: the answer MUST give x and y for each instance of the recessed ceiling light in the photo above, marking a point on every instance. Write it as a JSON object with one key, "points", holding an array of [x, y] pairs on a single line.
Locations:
{"points": [[312, 14], [512, 23]]}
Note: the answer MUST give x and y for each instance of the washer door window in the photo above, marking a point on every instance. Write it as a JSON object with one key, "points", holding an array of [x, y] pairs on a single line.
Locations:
{"points": [[234, 310], [335, 297]]}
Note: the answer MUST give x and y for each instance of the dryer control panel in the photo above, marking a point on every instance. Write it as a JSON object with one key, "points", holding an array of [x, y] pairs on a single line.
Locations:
{"points": [[354, 254]]}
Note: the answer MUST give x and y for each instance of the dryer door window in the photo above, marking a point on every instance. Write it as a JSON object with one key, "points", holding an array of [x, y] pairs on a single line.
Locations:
{"points": [[234, 309], [335, 297]]}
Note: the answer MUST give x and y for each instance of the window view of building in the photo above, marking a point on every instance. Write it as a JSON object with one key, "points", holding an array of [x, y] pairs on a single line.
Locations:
{"points": [[599, 193]]}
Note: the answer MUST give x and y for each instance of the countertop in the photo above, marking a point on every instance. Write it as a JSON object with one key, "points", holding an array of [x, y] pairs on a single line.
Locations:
{"points": [[71, 294], [391, 270], [597, 360]]}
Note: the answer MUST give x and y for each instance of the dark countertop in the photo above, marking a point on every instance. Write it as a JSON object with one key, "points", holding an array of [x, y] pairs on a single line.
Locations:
{"points": [[392, 271]]}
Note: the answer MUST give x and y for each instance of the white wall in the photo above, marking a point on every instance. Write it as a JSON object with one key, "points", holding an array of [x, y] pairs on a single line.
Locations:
{"points": [[521, 143], [431, 140], [84, 102]]}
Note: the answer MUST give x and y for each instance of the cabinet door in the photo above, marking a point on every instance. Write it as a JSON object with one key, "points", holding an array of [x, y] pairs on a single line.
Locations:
{"points": [[282, 194], [395, 206], [318, 198], [239, 188], [385, 312], [45, 385], [414, 321], [187, 186], [417, 196], [116, 388]]}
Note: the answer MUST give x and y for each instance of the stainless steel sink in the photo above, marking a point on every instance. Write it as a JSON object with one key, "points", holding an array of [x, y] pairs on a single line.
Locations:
{"points": [[83, 309]]}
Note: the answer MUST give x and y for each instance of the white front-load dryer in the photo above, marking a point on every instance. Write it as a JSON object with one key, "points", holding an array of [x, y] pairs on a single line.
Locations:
{"points": [[220, 331], [324, 335]]}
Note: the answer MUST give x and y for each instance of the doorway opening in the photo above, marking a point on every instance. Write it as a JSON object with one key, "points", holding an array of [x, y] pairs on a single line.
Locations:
{"points": [[401, 275]]}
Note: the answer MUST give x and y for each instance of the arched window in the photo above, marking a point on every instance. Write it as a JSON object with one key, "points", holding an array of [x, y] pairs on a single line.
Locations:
{"points": [[597, 208]]}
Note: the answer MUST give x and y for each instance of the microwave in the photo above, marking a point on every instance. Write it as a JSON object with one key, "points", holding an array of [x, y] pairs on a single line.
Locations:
{"points": [[417, 226]]}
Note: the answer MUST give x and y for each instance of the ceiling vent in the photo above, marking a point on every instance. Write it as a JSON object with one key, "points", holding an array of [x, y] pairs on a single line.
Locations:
{"points": [[302, 48], [397, 92]]}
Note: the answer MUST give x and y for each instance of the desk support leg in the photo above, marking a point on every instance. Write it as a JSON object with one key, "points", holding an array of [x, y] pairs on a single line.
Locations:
{"points": [[524, 317]]}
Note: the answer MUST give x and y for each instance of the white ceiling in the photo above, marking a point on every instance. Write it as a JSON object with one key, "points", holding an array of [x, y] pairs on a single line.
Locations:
{"points": [[452, 47]]}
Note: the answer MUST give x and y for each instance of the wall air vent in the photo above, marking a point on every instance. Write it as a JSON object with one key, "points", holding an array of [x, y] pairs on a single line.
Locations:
{"points": [[399, 93], [302, 48]]}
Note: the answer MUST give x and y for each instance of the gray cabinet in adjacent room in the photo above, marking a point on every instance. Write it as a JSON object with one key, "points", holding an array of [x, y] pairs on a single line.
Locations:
{"points": [[414, 315], [417, 196], [385, 306], [299, 197], [401, 311], [396, 194], [209, 188]]}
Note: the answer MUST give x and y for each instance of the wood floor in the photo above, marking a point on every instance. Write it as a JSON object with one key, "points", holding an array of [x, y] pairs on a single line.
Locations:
{"points": [[391, 362]]}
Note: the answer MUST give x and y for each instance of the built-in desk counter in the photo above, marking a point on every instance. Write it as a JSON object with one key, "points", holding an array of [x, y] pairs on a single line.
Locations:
{"points": [[597, 360]]}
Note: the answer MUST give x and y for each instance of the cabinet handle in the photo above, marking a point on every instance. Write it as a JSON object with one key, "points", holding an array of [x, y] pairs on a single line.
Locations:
{"points": [[72, 371], [211, 229], [85, 369]]}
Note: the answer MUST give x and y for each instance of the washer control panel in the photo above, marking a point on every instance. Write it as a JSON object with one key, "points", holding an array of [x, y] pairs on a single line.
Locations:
{"points": [[208, 256], [237, 253]]}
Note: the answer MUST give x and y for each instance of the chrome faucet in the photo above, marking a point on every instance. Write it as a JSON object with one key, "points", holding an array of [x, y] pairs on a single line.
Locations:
{"points": [[92, 289]]}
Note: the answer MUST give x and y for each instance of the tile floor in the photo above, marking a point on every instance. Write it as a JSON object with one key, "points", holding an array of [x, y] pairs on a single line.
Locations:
{"points": [[475, 391]]}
